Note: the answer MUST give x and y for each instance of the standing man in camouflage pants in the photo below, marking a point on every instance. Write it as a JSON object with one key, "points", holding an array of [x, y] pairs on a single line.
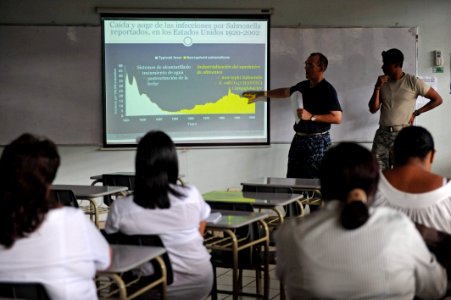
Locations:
{"points": [[395, 94]]}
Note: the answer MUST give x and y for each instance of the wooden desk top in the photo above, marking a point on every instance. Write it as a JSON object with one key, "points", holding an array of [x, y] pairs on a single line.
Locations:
{"points": [[128, 257]]}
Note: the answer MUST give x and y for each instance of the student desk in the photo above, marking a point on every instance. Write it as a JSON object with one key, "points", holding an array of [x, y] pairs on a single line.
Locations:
{"points": [[89, 192], [128, 257], [98, 178], [261, 200], [310, 187], [229, 241]]}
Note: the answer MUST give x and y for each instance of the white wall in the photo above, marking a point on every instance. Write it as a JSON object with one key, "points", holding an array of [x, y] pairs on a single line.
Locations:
{"points": [[220, 168], [208, 169]]}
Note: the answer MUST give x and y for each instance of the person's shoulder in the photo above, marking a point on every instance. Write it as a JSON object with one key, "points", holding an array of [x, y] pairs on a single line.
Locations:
{"points": [[65, 212], [413, 79], [66, 215], [301, 85], [287, 229], [389, 217], [188, 193], [300, 226], [326, 82], [192, 192], [326, 86], [123, 201], [383, 186], [185, 188], [303, 82], [411, 76], [325, 214]]}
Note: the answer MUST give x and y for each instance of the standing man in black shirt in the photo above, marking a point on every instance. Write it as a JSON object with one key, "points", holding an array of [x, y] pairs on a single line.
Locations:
{"points": [[321, 109]]}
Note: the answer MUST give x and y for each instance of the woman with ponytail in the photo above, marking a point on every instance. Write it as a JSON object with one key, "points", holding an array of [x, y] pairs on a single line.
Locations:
{"points": [[348, 250]]}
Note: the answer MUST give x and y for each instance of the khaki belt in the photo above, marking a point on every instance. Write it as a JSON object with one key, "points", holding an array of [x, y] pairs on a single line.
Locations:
{"points": [[394, 128], [311, 134]]}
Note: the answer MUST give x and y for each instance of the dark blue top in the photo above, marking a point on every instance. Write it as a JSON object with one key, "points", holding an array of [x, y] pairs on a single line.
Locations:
{"points": [[318, 100]]}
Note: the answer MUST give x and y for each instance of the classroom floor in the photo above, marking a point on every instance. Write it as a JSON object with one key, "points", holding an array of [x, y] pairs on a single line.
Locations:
{"points": [[224, 278]]}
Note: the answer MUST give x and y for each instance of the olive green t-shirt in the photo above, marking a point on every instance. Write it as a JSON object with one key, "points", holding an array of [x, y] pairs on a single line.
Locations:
{"points": [[398, 99]]}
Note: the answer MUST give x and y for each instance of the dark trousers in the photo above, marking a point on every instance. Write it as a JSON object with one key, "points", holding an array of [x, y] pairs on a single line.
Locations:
{"points": [[305, 155]]}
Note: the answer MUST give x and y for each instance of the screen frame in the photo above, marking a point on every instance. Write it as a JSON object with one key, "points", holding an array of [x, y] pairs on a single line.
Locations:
{"points": [[264, 16]]}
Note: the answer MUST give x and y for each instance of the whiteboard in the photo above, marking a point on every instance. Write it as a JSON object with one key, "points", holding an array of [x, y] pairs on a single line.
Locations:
{"points": [[355, 61], [51, 84]]}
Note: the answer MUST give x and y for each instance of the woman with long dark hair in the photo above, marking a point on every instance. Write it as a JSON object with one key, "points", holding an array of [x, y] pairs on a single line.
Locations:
{"points": [[348, 250], [176, 213], [39, 240]]}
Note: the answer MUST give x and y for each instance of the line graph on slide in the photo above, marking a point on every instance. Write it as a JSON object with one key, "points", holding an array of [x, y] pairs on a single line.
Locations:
{"points": [[140, 104]]}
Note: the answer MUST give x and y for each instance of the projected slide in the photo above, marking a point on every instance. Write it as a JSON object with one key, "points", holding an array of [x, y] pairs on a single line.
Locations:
{"points": [[140, 104], [185, 77]]}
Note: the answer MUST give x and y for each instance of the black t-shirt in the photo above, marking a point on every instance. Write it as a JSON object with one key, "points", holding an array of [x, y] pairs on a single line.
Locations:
{"points": [[318, 100]]}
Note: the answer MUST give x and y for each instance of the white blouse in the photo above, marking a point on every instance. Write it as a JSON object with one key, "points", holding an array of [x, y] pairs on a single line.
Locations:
{"points": [[385, 258], [63, 253], [178, 226], [432, 209]]}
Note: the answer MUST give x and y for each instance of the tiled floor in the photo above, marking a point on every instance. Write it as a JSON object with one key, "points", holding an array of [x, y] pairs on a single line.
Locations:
{"points": [[224, 278]]}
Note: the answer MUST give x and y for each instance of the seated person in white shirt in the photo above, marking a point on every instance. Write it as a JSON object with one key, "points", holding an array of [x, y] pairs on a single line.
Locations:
{"points": [[348, 251], [175, 213], [40, 241], [411, 187]]}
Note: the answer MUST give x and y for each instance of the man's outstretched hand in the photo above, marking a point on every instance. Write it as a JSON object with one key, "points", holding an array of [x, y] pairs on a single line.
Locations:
{"points": [[252, 96]]}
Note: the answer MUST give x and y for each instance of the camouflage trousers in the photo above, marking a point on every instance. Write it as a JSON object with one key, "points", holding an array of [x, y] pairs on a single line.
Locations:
{"points": [[305, 155], [383, 148]]}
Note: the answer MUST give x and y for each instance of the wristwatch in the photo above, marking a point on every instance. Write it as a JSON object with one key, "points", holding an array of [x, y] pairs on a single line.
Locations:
{"points": [[313, 118]]}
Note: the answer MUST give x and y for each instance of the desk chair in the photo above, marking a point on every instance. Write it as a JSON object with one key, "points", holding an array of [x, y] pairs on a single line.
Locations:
{"points": [[313, 199], [23, 290], [118, 180], [143, 240], [249, 258], [294, 209], [65, 197]]}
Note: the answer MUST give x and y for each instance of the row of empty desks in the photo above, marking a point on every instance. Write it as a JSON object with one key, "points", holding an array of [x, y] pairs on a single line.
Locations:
{"points": [[279, 184], [309, 187], [270, 193], [259, 200]]}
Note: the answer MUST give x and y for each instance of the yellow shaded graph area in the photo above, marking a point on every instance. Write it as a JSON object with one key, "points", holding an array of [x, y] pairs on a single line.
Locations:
{"points": [[229, 104]]}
